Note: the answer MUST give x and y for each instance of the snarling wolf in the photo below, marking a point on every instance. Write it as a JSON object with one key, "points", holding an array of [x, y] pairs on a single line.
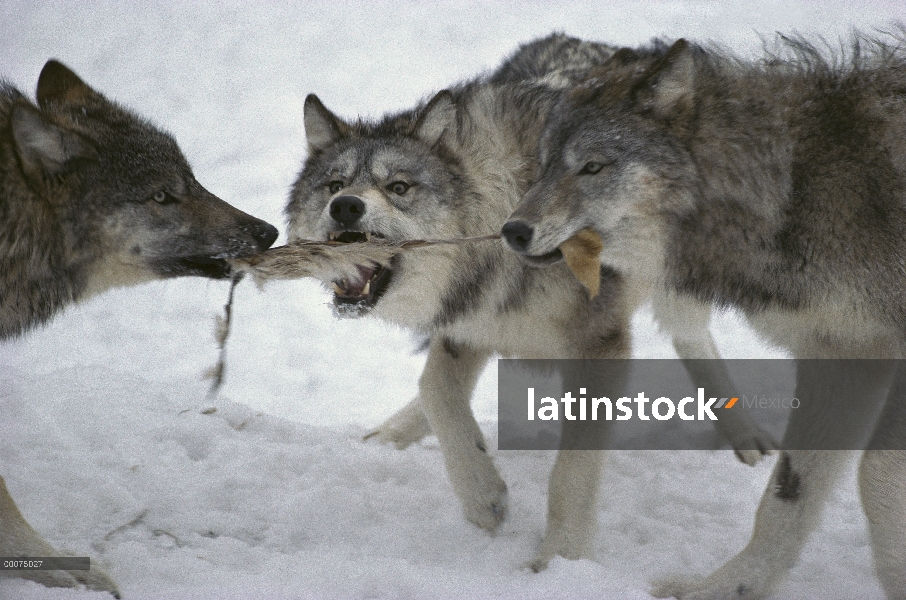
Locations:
{"points": [[777, 188], [456, 166], [94, 197]]}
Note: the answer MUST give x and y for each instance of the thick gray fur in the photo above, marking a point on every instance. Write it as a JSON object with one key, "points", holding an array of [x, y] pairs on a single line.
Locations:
{"points": [[465, 158], [93, 197], [777, 188]]}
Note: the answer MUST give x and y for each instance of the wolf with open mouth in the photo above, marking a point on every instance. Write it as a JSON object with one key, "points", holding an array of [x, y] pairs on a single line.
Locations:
{"points": [[455, 167]]}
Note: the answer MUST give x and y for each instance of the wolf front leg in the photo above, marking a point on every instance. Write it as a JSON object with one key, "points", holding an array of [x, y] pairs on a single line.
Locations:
{"points": [[576, 477], [19, 539], [687, 322], [706, 370], [571, 507], [445, 388]]}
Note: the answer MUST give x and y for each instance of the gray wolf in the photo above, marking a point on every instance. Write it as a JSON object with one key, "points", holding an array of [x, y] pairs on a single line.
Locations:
{"points": [[777, 188], [456, 166], [93, 197]]}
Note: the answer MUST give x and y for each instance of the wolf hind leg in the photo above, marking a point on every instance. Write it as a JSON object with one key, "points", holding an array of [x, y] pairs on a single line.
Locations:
{"points": [[789, 511], [882, 485], [19, 539], [405, 427], [445, 389], [837, 408]]}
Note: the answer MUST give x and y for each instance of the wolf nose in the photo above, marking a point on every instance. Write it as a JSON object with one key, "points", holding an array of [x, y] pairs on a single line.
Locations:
{"points": [[518, 235], [346, 210], [265, 234]]}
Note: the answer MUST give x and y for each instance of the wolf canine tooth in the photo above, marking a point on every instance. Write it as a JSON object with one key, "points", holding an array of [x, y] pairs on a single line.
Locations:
{"points": [[366, 289]]}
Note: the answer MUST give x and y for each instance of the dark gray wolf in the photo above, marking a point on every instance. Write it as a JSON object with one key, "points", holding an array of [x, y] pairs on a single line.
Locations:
{"points": [[93, 197], [455, 167], [778, 188]]}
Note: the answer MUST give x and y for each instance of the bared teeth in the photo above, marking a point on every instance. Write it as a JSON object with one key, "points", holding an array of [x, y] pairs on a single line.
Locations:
{"points": [[366, 289], [337, 289]]}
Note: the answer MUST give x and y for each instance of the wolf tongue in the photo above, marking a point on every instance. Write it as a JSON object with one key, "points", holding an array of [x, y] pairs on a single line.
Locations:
{"points": [[356, 288]]}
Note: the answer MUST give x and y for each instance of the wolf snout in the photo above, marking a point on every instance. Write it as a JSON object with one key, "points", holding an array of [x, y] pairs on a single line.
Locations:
{"points": [[347, 210], [518, 234]]}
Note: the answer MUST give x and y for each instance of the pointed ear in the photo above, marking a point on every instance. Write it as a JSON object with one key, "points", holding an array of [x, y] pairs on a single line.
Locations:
{"points": [[437, 116], [45, 148], [322, 127], [667, 88], [58, 84]]}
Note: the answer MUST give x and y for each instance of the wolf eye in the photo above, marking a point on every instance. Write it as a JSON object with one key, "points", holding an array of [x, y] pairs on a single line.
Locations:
{"points": [[334, 186], [163, 197], [591, 168], [399, 187]]}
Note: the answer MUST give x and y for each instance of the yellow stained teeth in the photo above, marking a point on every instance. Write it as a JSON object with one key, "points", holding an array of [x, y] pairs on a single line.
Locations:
{"points": [[337, 289], [366, 289]]}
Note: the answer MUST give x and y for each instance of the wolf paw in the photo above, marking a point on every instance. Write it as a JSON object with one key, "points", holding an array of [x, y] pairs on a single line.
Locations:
{"points": [[751, 448], [720, 585], [404, 428], [560, 543], [19, 539], [94, 579], [487, 507]]}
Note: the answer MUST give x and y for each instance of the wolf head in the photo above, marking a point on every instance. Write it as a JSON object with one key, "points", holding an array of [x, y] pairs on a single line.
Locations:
{"points": [[612, 158], [395, 179], [127, 204]]}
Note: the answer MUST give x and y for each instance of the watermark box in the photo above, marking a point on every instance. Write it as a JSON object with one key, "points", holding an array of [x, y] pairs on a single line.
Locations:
{"points": [[673, 404]]}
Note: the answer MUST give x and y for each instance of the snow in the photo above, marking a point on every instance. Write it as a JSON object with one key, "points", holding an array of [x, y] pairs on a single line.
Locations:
{"points": [[109, 443]]}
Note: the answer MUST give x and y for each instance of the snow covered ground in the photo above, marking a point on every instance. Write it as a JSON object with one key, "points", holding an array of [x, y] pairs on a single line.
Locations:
{"points": [[106, 437]]}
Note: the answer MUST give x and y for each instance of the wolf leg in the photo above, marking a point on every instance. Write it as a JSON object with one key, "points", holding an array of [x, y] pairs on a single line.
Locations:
{"points": [[882, 483], [445, 389], [702, 361], [576, 477], [407, 426], [687, 322], [836, 409], [19, 539], [572, 507], [790, 510]]}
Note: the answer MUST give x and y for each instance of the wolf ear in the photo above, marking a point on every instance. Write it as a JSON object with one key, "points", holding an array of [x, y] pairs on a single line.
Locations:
{"points": [[58, 84], [322, 127], [667, 87], [437, 116], [45, 148]]}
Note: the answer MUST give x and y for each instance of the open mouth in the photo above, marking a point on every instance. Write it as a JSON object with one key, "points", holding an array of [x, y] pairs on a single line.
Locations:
{"points": [[543, 260], [355, 297]]}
